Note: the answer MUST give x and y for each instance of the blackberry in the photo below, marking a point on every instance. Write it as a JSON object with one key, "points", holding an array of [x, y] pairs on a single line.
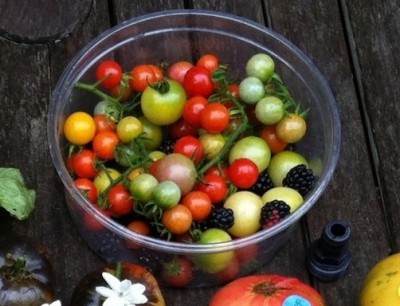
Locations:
{"points": [[167, 145], [299, 178], [263, 184], [273, 212], [220, 217]]}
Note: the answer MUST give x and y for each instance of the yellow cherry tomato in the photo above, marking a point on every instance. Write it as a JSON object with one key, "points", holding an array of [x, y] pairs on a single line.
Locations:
{"points": [[104, 178], [79, 128], [129, 128]]}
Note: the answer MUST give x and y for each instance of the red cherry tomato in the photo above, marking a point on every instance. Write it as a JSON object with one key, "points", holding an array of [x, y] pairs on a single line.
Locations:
{"points": [[104, 144], [87, 188], [230, 272], [109, 73], [208, 61], [83, 163], [193, 107], [243, 173], [91, 221], [103, 123], [120, 201], [199, 204], [219, 170], [159, 73], [177, 272], [191, 147], [234, 90], [181, 128], [198, 81], [178, 70], [123, 90], [268, 133], [141, 76], [214, 186], [214, 118]]}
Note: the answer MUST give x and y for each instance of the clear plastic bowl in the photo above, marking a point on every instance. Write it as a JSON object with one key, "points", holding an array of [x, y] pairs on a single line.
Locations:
{"points": [[184, 35]]}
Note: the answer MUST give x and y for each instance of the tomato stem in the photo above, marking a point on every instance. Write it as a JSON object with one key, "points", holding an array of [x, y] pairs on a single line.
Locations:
{"points": [[230, 139], [93, 89], [118, 270]]}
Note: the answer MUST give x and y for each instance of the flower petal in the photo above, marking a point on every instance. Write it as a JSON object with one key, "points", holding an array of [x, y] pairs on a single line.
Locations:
{"points": [[112, 281], [135, 294], [125, 285], [105, 291], [116, 301]]}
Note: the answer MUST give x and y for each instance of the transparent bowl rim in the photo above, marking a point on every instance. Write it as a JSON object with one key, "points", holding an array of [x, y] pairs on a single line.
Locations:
{"points": [[184, 248]]}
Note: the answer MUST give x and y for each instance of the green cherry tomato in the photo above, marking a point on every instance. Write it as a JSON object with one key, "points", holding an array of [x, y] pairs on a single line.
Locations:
{"points": [[213, 263], [212, 144], [152, 134], [125, 155], [107, 108], [270, 110], [261, 66], [253, 148], [281, 163], [166, 194], [163, 103], [142, 186], [289, 195], [251, 90]]}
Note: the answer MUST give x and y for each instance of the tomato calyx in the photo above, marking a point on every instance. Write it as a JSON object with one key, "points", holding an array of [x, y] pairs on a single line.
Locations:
{"points": [[14, 269], [161, 86], [266, 288]]}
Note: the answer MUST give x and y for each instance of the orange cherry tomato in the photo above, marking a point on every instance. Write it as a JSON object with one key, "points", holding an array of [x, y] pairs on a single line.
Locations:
{"points": [[140, 227], [209, 61], [291, 128], [177, 219]]}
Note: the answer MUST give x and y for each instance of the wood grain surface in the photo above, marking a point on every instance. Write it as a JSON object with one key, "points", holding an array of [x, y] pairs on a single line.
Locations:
{"points": [[353, 43]]}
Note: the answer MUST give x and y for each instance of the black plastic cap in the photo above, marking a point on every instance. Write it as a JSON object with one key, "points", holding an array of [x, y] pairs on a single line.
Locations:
{"points": [[328, 258]]}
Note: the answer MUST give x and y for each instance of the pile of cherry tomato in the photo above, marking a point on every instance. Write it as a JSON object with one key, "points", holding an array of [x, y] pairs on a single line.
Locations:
{"points": [[166, 144]]}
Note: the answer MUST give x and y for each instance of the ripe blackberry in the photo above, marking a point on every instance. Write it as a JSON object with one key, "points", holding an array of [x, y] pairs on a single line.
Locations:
{"points": [[167, 145], [220, 217], [263, 184], [299, 178], [273, 212]]}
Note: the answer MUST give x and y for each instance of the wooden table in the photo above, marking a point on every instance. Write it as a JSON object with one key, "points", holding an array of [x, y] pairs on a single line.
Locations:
{"points": [[355, 45]]}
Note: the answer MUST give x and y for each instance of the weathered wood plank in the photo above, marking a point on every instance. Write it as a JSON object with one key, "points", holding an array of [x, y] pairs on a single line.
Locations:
{"points": [[125, 9], [376, 29], [366, 78], [316, 27]]}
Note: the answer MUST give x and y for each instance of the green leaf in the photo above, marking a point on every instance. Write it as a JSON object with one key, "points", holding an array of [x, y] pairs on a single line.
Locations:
{"points": [[14, 196]]}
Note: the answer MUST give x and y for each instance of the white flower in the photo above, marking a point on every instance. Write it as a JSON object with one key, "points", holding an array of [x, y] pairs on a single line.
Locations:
{"points": [[121, 293], [55, 303]]}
